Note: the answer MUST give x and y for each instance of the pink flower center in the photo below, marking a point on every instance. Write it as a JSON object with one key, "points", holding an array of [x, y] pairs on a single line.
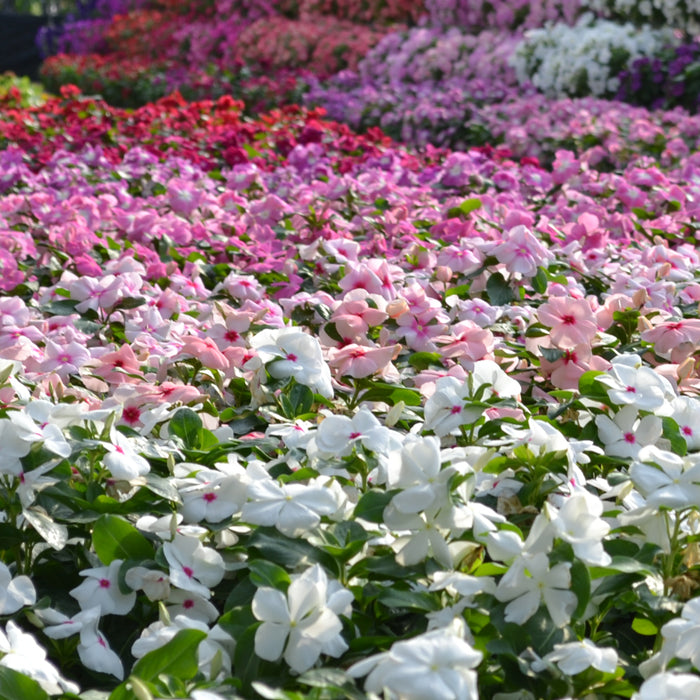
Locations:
{"points": [[187, 604], [104, 583], [353, 436], [292, 357], [131, 414], [231, 336], [568, 320], [629, 437], [188, 572], [631, 389], [209, 497], [687, 430], [455, 410]]}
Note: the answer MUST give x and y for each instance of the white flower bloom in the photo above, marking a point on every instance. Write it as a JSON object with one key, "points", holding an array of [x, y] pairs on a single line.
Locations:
{"points": [[22, 653], [574, 657], [529, 582], [48, 433], [685, 410], [682, 635], [213, 653], [433, 666], [14, 447], [304, 623], [578, 522], [101, 588], [450, 407], [641, 387], [292, 508], [212, 495], [153, 582], [336, 435], [122, 460], [93, 649], [419, 536], [292, 353], [417, 471], [193, 567], [665, 479], [679, 686], [625, 434], [16, 592]]}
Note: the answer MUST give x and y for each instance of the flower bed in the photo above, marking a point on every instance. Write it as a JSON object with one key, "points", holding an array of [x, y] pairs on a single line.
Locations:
{"points": [[290, 412]]}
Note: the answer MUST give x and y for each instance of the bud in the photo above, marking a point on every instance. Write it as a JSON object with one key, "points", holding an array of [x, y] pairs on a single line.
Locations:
{"points": [[396, 307], [443, 273]]}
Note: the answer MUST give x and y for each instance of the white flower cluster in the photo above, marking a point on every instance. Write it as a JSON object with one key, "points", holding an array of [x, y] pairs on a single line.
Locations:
{"points": [[682, 14], [585, 59]]}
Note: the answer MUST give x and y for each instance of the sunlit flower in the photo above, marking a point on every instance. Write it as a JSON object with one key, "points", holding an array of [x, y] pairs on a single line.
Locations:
{"points": [[433, 666], [304, 623]]}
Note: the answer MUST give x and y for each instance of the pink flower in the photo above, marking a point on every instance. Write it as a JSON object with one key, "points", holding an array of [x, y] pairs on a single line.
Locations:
{"points": [[360, 360], [571, 321], [521, 252], [205, 350], [672, 335]]}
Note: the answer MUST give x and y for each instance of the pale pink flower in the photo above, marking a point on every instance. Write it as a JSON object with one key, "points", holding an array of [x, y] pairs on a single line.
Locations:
{"points": [[360, 360], [521, 252], [674, 335], [571, 321], [206, 351]]}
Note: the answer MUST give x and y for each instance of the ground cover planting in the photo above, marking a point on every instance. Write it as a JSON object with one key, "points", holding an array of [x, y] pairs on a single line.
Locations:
{"points": [[293, 410]]}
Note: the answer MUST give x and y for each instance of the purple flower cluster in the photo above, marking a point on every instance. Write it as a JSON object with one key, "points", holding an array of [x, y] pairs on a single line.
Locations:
{"points": [[669, 79]]}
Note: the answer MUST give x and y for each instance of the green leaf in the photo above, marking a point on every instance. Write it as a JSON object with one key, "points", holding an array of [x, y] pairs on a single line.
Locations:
{"points": [[581, 586], [265, 573], [116, 538], [588, 386], [372, 504], [287, 552], [498, 290], [413, 600], [539, 281], [177, 658], [672, 432], [643, 626], [15, 685], [55, 534], [465, 208], [301, 399], [392, 394], [186, 424]]}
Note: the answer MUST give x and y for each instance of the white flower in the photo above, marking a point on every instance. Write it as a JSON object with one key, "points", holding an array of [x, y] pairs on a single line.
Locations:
{"points": [[292, 508], [578, 522], [667, 480], [212, 495], [304, 623], [433, 666], [193, 567], [336, 435], [22, 653], [450, 407], [637, 386], [682, 635], [679, 686], [292, 353], [416, 469], [529, 582], [122, 460], [16, 592], [101, 588], [625, 434], [574, 657], [213, 653], [93, 649]]}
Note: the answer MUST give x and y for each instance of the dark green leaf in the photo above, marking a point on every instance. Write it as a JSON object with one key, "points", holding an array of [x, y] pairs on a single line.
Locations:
{"points": [[115, 538], [177, 658], [186, 424], [372, 504], [16, 686], [265, 573], [498, 290]]}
